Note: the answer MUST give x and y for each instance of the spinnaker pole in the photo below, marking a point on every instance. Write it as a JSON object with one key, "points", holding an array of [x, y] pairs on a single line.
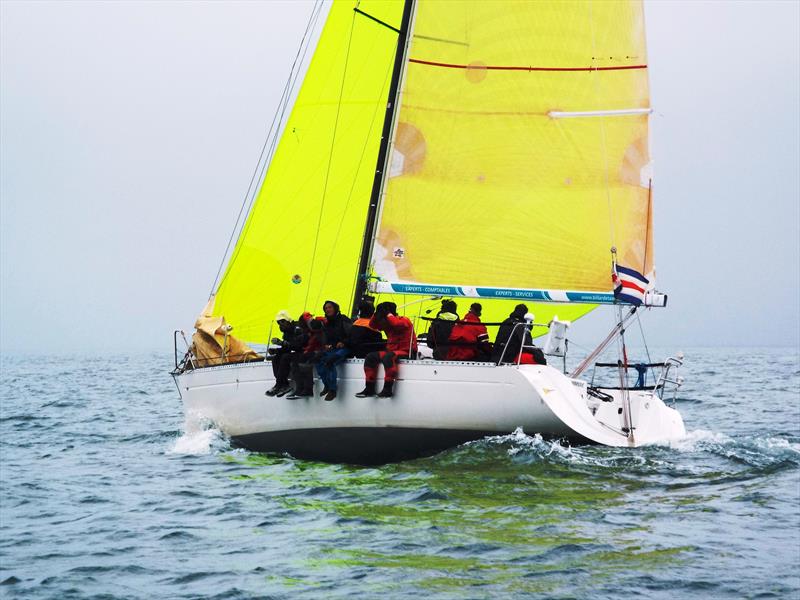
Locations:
{"points": [[383, 152]]}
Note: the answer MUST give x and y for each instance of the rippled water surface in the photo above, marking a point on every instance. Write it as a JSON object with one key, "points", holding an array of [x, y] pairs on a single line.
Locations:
{"points": [[105, 493]]}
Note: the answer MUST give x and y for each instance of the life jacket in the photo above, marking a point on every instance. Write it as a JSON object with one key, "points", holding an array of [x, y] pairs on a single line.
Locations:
{"points": [[364, 339]]}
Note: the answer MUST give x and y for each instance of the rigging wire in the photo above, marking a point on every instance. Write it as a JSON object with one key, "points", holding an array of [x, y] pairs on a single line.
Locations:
{"points": [[272, 134], [330, 159], [644, 340]]}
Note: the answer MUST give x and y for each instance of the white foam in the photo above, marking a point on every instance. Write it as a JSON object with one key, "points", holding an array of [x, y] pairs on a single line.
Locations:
{"points": [[521, 442], [198, 443], [779, 444], [693, 439], [702, 439], [199, 437]]}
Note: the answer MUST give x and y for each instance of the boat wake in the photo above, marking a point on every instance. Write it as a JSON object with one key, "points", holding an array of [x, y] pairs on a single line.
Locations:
{"points": [[519, 443], [199, 437], [755, 451]]}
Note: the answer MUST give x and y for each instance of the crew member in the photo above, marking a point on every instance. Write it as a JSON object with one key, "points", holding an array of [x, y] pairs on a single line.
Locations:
{"points": [[303, 362], [295, 336], [401, 342], [336, 327], [514, 343], [363, 338], [469, 339], [441, 328]]}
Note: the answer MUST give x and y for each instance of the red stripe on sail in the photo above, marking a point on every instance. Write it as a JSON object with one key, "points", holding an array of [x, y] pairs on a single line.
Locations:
{"points": [[513, 68], [631, 285]]}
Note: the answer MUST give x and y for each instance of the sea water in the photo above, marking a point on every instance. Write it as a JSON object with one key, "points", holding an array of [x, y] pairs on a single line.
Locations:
{"points": [[107, 494]]}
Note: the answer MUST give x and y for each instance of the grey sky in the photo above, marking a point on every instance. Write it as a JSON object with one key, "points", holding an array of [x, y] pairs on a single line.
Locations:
{"points": [[129, 131]]}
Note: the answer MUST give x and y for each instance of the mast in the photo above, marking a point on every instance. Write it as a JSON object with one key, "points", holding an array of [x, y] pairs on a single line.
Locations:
{"points": [[377, 185]]}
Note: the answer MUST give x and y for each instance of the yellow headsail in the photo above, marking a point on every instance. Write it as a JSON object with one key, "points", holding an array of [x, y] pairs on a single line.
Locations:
{"points": [[302, 239]]}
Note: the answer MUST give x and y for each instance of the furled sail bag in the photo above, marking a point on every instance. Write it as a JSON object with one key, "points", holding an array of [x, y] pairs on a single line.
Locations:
{"points": [[211, 345]]}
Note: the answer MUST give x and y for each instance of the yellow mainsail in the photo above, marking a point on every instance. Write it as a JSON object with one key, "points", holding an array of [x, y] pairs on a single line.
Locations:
{"points": [[520, 154]]}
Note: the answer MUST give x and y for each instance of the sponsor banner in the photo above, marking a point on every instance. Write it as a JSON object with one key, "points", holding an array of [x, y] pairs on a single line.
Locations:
{"points": [[496, 293]]}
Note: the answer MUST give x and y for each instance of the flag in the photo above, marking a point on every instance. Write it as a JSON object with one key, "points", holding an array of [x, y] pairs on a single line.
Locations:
{"points": [[629, 285]]}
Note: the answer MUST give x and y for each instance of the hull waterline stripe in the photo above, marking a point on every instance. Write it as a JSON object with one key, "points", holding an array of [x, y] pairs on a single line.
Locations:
{"points": [[515, 68]]}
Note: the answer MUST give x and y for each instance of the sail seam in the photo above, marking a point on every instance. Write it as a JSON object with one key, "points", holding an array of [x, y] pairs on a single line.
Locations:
{"points": [[525, 113], [522, 68]]}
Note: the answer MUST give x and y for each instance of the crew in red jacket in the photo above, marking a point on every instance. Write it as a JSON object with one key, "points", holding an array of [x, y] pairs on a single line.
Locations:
{"points": [[469, 339], [401, 341]]}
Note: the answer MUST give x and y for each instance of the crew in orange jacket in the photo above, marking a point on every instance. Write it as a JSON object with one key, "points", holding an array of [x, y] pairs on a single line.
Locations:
{"points": [[401, 342]]}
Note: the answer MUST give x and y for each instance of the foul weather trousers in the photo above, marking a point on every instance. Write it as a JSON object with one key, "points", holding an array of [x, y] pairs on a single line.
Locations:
{"points": [[326, 367], [302, 369], [282, 366], [389, 360]]}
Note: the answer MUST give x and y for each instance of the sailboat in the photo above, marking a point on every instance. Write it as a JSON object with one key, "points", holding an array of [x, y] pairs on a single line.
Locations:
{"points": [[476, 151]]}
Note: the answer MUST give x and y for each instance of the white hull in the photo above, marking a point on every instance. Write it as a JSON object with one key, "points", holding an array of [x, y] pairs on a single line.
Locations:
{"points": [[436, 405]]}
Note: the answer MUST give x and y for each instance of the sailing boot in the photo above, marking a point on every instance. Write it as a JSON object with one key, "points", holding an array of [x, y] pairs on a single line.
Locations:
{"points": [[388, 390], [368, 391], [274, 389], [295, 392]]}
